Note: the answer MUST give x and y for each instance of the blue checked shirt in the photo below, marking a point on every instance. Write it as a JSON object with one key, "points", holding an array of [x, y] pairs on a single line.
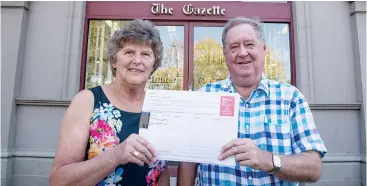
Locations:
{"points": [[277, 117]]}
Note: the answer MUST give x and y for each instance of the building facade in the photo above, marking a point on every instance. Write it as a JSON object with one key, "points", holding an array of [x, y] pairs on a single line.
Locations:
{"points": [[52, 50]]}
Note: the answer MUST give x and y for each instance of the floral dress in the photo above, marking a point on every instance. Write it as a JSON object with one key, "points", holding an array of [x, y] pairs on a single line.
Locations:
{"points": [[110, 126]]}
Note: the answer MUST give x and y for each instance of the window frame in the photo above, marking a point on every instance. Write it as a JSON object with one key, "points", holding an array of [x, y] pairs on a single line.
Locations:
{"points": [[186, 46]]}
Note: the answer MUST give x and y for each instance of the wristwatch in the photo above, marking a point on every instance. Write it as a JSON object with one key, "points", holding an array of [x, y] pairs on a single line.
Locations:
{"points": [[277, 163]]}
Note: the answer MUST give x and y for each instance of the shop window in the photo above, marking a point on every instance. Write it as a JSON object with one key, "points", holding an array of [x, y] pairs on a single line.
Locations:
{"points": [[209, 64], [168, 76]]}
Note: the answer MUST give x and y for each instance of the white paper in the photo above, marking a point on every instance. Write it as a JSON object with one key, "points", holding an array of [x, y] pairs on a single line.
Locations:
{"points": [[191, 126]]}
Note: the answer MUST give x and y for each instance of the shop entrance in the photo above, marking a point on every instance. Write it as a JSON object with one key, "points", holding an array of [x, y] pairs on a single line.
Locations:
{"points": [[192, 39]]}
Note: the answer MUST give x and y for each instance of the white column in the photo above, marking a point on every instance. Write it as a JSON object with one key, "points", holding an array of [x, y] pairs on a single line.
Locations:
{"points": [[358, 17], [14, 20], [303, 49]]}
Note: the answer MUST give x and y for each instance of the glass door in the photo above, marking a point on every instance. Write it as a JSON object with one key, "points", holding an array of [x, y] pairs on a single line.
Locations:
{"points": [[172, 75], [206, 56]]}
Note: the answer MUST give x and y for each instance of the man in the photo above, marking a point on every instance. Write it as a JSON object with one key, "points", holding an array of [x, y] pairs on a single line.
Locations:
{"points": [[278, 143]]}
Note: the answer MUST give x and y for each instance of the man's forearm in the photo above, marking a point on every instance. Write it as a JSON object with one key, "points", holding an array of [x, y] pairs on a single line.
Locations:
{"points": [[305, 167], [186, 174]]}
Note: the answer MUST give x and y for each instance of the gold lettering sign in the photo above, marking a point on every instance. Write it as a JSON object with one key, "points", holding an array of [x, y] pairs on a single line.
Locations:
{"points": [[188, 9], [203, 80], [163, 80], [159, 9], [215, 10]]}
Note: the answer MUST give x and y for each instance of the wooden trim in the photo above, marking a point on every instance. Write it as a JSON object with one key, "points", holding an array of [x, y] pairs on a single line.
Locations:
{"points": [[66, 103], [292, 50], [191, 56], [83, 67], [207, 24], [187, 58], [170, 23], [186, 47]]}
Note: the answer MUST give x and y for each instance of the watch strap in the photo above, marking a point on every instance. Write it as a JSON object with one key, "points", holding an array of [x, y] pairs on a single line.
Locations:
{"points": [[276, 168]]}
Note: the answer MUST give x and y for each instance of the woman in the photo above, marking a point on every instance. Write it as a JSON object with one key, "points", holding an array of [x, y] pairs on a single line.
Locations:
{"points": [[98, 142]]}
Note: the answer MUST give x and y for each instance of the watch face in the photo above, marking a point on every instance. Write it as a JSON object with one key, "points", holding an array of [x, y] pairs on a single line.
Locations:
{"points": [[277, 162]]}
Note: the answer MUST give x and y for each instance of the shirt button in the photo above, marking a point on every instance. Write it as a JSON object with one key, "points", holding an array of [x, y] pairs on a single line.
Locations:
{"points": [[250, 178], [247, 105], [247, 126]]}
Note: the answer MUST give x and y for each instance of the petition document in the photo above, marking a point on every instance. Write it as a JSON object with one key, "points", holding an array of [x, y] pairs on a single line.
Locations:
{"points": [[190, 126]]}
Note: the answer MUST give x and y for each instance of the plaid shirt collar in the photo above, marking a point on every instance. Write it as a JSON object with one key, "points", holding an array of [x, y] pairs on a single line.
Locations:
{"points": [[227, 85]]}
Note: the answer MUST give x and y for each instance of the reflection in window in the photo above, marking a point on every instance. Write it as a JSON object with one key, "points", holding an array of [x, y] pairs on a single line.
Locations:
{"points": [[277, 60], [98, 70], [209, 63], [168, 76]]}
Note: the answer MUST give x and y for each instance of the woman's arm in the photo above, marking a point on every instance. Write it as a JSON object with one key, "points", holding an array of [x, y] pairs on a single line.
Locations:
{"points": [[186, 173], [164, 179], [69, 167]]}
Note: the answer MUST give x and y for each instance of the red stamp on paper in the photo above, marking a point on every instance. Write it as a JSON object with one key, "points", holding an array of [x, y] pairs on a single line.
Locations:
{"points": [[226, 106]]}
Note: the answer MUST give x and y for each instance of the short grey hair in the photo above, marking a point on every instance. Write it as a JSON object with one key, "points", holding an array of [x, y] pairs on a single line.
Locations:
{"points": [[255, 23], [137, 31]]}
